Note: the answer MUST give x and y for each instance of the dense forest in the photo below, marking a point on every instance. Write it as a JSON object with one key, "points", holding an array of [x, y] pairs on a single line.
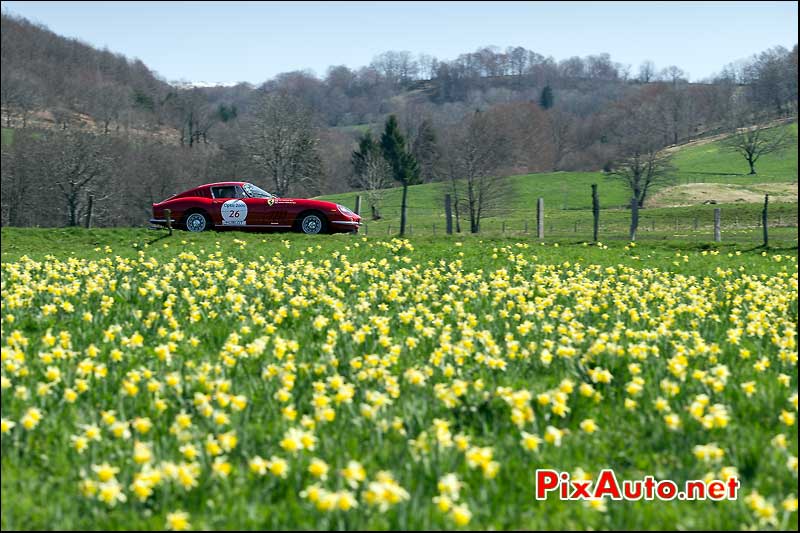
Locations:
{"points": [[79, 122]]}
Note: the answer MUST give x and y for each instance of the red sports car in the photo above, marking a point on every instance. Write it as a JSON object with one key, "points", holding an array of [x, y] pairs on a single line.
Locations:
{"points": [[242, 205]]}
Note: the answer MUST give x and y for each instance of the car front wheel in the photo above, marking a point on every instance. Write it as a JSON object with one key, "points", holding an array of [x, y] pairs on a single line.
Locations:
{"points": [[196, 222], [312, 224]]}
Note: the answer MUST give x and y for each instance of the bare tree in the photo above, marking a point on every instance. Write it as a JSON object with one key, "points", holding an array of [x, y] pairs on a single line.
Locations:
{"points": [[20, 177], [641, 165], [427, 66], [600, 67], [647, 71], [16, 96], [282, 142], [562, 135], [674, 106], [371, 173], [77, 166], [62, 117], [518, 62], [193, 115], [753, 142], [772, 77], [397, 68], [476, 149], [109, 101], [525, 127], [673, 74]]}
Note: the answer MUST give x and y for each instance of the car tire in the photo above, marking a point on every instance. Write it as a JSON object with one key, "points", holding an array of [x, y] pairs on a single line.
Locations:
{"points": [[313, 224], [197, 222]]}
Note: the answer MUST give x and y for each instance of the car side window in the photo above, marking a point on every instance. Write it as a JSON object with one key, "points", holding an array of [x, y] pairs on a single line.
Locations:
{"points": [[227, 191]]}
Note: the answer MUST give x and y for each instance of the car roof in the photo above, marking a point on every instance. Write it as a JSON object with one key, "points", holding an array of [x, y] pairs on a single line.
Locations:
{"points": [[223, 183]]}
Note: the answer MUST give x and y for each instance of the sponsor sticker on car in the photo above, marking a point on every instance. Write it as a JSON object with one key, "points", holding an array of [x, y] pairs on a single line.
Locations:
{"points": [[234, 213]]}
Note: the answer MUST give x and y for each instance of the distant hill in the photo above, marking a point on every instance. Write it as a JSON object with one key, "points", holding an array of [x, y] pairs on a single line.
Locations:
{"points": [[45, 71]]}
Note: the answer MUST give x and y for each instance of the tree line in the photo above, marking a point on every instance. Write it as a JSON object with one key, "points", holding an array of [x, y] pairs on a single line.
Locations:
{"points": [[466, 121]]}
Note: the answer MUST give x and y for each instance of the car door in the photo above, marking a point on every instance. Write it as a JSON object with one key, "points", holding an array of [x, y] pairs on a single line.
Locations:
{"points": [[276, 212], [256, 211], [234, 208]]}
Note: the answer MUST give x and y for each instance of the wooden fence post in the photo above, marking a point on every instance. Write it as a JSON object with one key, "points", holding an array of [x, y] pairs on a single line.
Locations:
{"points": [[168, 214], [764, 220], [448, 214], [595, 212], [89, 211], [540, 218], [358, 204], [717, 233]]}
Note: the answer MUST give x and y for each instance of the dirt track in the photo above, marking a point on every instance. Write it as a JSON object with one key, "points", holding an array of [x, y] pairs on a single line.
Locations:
{"points": [[723, 193]]}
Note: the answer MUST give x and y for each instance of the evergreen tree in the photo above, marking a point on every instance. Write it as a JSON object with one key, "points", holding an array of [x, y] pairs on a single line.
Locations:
{"points": [[405, 168], [366, 147], [546, 99], [227, 113]]}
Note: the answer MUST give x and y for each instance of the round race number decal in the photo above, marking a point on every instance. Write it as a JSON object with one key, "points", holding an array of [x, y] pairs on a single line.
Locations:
{"points": [[234, 213]]}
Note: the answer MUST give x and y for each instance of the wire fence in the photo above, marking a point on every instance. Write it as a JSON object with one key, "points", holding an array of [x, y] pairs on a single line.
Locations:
{"points": [[738, 223]]}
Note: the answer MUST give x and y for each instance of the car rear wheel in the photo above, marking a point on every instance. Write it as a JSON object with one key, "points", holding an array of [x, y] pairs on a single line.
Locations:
{"points": [[312, 224], [197, 222]]}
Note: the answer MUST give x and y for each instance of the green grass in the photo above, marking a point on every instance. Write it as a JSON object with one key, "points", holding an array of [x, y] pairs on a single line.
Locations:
{"points": [[567, 200], [487, 276], [99, 243], [7, 136], [712, 163]]}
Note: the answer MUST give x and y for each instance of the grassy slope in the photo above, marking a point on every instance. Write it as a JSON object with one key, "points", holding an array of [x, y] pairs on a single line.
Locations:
{"points": [[567, 200], [711, 164]]}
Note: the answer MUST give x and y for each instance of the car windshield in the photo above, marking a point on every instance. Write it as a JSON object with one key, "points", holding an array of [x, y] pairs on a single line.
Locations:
{"points": [[256, 192]]}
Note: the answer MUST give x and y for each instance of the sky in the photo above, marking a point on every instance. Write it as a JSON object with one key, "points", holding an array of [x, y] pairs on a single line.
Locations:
{"points": [[253, 41]]}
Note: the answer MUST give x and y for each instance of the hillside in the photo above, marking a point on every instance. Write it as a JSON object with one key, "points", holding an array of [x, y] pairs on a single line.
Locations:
{"points": [[43, 71], [710, 163], [567, 195]]}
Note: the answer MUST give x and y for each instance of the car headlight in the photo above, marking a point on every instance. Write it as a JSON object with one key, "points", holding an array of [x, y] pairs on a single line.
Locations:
{"points": [[343, 210]]}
